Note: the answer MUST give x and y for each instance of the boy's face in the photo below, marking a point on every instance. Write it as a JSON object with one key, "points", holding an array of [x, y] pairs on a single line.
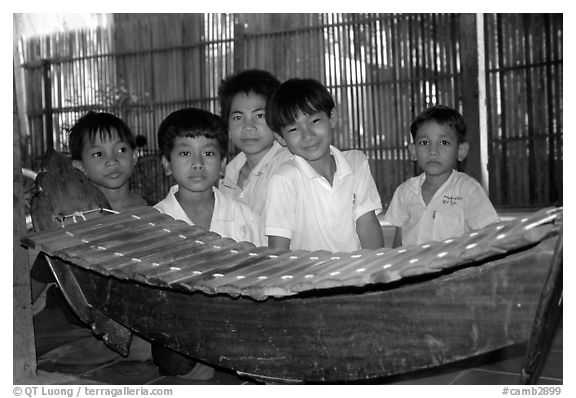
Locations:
{"points": [[436, 148], [247, 126], [194, 163], [107, 163], [310, 136]]}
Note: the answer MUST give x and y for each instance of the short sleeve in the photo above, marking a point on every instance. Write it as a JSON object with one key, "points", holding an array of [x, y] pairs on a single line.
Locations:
{"points": [[280, 210], [367, 197], [397, 213], [479, 209]]}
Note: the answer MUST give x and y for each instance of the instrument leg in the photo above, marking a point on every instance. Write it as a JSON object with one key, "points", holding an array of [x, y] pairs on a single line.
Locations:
{"points": [[115, 335], [548, 315]]}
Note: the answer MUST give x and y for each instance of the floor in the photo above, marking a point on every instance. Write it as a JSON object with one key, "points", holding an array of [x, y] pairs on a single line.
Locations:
{"points": [[496, 368]]}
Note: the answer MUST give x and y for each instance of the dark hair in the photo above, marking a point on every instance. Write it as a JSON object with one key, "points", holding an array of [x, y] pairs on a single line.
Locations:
{"points": [[441, 114], [294, 96], [191, 122], [255, 81], [102, 123]]}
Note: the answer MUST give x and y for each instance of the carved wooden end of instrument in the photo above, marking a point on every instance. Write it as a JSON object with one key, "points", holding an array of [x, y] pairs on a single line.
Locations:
{"points": [[64, 194]]}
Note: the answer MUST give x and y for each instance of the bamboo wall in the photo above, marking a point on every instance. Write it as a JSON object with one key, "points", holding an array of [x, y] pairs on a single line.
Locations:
{"points": [[382, 69], [524, 77]]}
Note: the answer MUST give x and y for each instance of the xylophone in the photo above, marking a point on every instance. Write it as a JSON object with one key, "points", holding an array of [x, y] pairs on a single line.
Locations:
{"points": [[290, 316], [149, 247]]}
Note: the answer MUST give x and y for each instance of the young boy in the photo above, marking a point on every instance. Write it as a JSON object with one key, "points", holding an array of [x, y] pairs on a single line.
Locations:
{"points": [[243, 98], [441, 202], [103, 147], [193, 144], [321, 199]]}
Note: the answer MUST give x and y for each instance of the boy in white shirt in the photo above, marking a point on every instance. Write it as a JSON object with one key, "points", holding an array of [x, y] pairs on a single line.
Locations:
{"points": [[243, 98], [193, 145], [322, 198], [441, 202]]}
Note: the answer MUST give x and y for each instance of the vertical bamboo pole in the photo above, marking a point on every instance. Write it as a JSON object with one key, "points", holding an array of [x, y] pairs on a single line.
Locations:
{"points": [[504, 122], [470, 94], [532, 159], [24, 352], [47, 84]]}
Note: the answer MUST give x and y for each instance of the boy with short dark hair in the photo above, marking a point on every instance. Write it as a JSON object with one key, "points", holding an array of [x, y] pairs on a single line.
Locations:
{"points": [[441, 202], [243, 98], [103, 147], [193, 144], [322, 198]]}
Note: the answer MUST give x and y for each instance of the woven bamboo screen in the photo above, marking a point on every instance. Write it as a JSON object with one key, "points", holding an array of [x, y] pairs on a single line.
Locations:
{"points": [[382, 69], [524, 77]]}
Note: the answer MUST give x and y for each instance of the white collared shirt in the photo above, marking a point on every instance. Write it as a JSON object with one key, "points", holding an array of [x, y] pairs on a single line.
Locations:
{"points": [[459, 205], [303, 206], [256, 185], [231, 218]]}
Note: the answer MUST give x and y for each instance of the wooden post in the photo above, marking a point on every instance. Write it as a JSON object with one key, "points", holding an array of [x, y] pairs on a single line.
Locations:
{"points": [[24, 352], [470, 94], [48, 125], [239, 44]]}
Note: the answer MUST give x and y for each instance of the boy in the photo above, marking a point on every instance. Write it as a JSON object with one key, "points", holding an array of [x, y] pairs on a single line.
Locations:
{"points": [[321, 199], [441, 202], [103, 147], [243, 98], [193, 144]]}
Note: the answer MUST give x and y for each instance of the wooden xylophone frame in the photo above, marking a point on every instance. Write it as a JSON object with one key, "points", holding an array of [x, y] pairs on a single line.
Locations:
{"points": [[398, 321]]}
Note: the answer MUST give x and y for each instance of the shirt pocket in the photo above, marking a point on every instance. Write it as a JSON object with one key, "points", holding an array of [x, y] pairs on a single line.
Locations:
{"points": [[447, 224]]}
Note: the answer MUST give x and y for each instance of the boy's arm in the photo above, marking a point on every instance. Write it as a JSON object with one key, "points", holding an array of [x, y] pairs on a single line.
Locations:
{"points": [[397, 215], [397, 237], [279, 211], [369, 231], [278, 242]]}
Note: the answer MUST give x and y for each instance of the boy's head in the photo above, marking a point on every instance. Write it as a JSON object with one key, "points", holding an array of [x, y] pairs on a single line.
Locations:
{"points": [[243, 98], [193, 145], [295, 97], [102, 146], [253, 81], [439, 139], [300, 112], [441, 114]]}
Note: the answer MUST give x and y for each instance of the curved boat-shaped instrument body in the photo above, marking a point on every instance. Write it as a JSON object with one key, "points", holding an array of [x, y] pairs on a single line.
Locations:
{"points": [[338, 335], [307, 316]]}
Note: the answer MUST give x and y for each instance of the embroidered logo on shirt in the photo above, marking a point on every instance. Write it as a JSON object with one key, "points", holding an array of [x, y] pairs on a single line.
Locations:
{"points": [[450, 200]]}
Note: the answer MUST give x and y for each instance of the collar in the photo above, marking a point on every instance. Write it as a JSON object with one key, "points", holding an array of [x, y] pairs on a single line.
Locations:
{"points": [[270, 155], [422, 178], [181, 214], [343, 167], [236, 164]]}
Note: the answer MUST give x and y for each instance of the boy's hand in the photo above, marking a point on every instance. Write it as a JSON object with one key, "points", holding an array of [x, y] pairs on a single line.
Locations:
{"points": [[278, 242]]}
